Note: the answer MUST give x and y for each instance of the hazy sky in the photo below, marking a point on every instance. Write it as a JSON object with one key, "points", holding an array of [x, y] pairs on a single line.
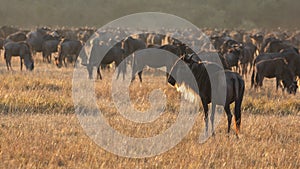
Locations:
{"points": [[203, 13]]}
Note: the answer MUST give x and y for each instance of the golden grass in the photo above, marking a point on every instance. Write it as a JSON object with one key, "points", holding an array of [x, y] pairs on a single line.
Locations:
{"points": [[38, 127]]}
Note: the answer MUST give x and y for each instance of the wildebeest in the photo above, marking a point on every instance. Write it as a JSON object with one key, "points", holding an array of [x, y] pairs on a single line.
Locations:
{"points": [[210, 86], [247, 56], [130, 45], [49, 47], [276, 46], [68, 49], [115, 54], [257, 40], [291, 55], [274, 68], [17, 37], [21, 49], [36, 38], [155, 58]]}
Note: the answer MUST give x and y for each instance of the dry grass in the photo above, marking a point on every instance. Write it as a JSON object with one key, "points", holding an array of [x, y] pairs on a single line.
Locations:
{"points": [[38, 127]]}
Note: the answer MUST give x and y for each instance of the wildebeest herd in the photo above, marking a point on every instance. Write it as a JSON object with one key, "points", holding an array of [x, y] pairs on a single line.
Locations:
{"points": [[264, 53]]}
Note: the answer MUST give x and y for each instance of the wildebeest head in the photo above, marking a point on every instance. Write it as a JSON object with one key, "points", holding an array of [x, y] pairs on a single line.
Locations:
{"points": [[28, 60], [29, 63], [58, 61], [292, 88], [288, 80]]}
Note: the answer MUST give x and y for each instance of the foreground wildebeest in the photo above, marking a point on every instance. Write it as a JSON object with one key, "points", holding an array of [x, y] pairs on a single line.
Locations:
{"points": [[21, 49], [68, 49], [209, 86], [49, 47], [274, 68]]}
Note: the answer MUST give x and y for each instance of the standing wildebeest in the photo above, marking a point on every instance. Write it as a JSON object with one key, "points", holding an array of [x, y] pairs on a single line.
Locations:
{"points": [[276, 46], [291, 55], [68, 49], [130, 45], [115, 54], [36, 38], [156, 59], [274, 68], [257, 40], [210, 86], [247, 56], [48, 47], [233, 55], [21, 49]]}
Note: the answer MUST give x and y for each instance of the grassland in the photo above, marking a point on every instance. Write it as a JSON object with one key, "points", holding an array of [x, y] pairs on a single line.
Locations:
{"points": [[39, 129]]}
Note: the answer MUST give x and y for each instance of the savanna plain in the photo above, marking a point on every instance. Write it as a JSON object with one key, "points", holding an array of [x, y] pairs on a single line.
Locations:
{"points": [[39, 127]]}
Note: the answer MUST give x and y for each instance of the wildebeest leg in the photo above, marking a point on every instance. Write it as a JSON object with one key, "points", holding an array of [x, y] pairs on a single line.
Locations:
{"points": [[205, 107], [134, 70], [237, 116], [229, 116], [212, 118], [21, 62], [260, 80], [49, 58], [8, 64], [99, 73], [277, 83], [64, 60], [140, 76]]}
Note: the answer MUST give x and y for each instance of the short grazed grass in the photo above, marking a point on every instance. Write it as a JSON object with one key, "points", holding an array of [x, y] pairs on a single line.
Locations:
{"points": [[39, 129]]}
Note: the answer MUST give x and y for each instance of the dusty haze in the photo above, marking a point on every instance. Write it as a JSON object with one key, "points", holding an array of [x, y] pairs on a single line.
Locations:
{"points": [[203, 13]]}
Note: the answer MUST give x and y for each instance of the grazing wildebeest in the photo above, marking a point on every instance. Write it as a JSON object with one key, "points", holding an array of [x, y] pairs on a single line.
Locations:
{"points": [[49, 47], [274, 68], [291, 55], [209, 86], [68, 49], [293, 58], [21, 49]]}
